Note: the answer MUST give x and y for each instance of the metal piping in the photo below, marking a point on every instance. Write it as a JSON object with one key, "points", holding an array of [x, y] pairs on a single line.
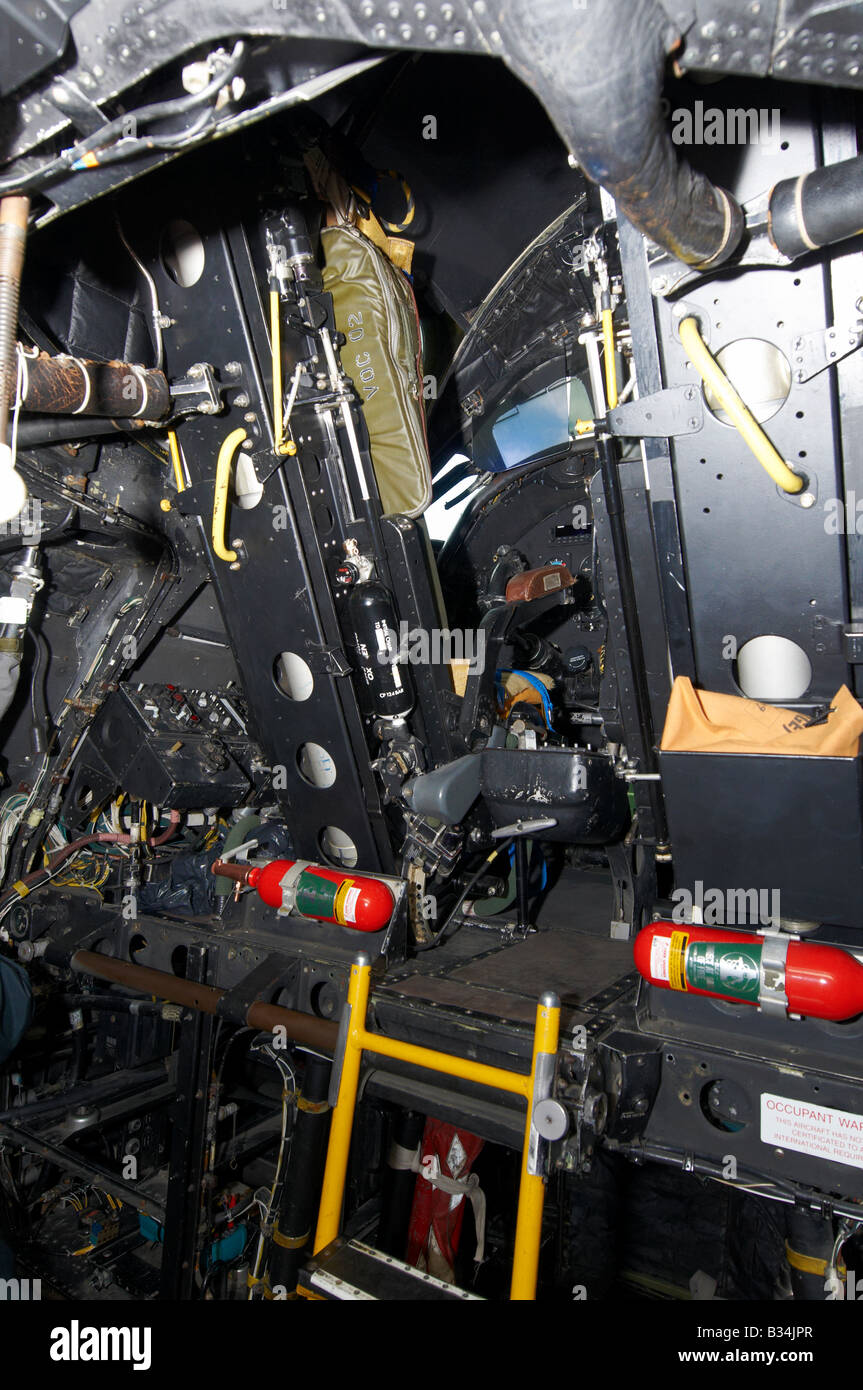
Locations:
{"points": [[302, 1028], [13, 234]]}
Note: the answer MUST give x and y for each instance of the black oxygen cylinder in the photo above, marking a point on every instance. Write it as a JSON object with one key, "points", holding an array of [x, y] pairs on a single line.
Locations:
{"points": [[385, 686]]}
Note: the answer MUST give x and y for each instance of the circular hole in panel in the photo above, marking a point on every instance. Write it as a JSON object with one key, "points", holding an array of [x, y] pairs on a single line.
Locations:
{"points": [[773, 668], [247, 490], [725, 1105], [316, 766], [759, 371], [338, 847], [311, 468], [323, 519], [324, 999], [183, 253], [293, 676]]}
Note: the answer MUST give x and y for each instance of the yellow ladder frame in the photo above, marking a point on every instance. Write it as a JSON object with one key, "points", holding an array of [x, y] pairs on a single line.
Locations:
{"points": [[354, 1039]]}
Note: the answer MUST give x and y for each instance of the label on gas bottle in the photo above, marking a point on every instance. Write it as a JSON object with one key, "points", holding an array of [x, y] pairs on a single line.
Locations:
{"points": [[725, 967], [316, 896], [667, 956], [718, 967], [346, 901]]}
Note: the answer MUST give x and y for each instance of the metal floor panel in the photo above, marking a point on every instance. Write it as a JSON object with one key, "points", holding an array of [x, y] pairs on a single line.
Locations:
{"points": [[506, 982]]}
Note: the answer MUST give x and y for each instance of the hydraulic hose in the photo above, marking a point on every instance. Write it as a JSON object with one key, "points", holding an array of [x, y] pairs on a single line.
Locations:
{"points": [[735, 408], [237, 835], [599, 71], [817, 209]]}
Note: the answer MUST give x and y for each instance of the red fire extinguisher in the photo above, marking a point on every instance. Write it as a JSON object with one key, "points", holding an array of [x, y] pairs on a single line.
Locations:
{"points": [[301, 889], [810, 979], [437, 1215]]}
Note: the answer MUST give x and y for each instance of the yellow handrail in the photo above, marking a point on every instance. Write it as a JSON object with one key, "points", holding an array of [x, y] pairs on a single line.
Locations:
{"points": [[220, 500]]}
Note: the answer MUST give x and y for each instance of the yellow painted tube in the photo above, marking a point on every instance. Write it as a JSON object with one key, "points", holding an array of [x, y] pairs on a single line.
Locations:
{"points": [[281, 445], [531, 1192], [610, 364], [276, 349], [176, 461], [736, 409], [220, 500], [342, 1123], [479, 1072]]}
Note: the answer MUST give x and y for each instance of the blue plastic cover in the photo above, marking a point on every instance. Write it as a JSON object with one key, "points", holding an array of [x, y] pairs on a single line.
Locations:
{"points": [[16, 1006]]}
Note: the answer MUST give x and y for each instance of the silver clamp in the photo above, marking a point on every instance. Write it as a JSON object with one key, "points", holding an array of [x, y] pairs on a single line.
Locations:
{"points": [[772, 998], [288, 885], [543, 1090]]}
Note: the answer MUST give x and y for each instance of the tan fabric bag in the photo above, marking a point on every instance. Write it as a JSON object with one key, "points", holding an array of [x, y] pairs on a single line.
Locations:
{"points": [[702, 721]]}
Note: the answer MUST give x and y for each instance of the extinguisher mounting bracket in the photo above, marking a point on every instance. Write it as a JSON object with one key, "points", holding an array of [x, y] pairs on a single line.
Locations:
{"points": [[772, 998]]}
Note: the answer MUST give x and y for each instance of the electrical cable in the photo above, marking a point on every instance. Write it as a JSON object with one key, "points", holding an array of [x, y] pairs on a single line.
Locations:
{"points": [[32, 881], [22, 541], [132, 146], [474, 879], [83, 154], [38, 721]]}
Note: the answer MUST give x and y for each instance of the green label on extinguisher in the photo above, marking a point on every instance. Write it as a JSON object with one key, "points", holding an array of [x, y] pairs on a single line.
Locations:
{"points": [[724, 967], [316, 896]]}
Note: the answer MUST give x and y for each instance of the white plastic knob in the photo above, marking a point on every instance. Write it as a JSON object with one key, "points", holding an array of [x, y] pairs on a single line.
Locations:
{"points": [[13, 489]]}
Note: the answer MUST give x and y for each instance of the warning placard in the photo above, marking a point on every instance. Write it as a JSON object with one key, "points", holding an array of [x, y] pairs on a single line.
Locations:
{"points": [[814, 1129]]}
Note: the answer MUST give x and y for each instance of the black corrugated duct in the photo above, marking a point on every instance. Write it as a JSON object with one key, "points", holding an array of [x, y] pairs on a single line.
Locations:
{"points": [[599, 72]]}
